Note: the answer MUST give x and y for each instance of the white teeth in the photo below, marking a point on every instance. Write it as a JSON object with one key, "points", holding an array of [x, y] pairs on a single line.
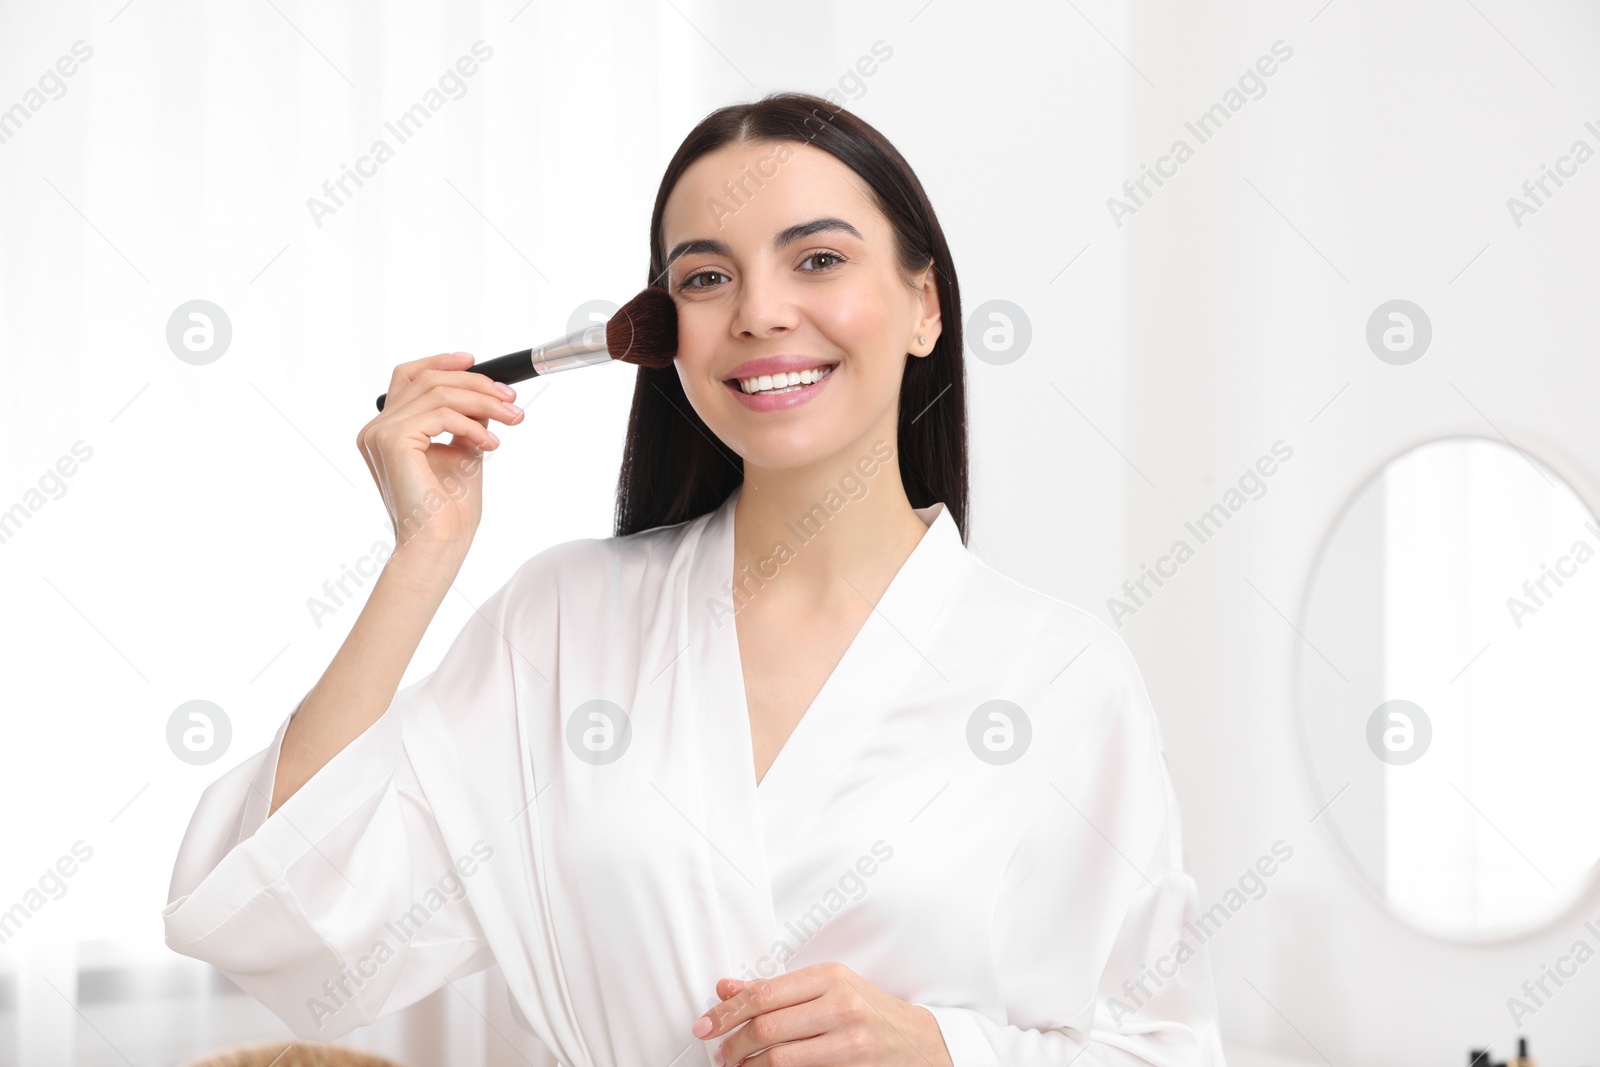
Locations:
{"points": [[777, 383]]}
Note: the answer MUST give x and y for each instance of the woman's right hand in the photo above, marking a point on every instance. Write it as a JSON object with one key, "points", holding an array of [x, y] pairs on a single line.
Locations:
{"points": [[434, 490]]}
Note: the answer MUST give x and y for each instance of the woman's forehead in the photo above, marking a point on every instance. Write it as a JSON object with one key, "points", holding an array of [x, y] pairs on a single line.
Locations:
{"points": [[750, 192]]}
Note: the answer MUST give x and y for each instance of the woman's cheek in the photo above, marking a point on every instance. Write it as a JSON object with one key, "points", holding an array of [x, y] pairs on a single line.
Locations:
{"points": [[851, 318], [692, 362]]}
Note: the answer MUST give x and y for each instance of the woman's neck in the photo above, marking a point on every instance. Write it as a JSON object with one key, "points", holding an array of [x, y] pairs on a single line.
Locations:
{"points": [[807, 538]]}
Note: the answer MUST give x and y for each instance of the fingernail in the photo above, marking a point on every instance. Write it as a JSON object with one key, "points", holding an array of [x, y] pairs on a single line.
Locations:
{"points": [[717, 1058], [504, 389], [515, 411], [702, 1026]]}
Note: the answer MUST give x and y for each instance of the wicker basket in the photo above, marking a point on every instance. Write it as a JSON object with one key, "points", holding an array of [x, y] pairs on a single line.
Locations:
{"points": [[290, 1054]]}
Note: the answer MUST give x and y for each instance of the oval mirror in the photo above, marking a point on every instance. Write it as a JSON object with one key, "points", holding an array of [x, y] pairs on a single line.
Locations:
{"points": [[1447, 681]]}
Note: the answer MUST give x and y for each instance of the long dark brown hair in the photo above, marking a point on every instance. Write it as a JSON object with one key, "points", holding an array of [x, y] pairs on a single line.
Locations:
{"points": [[673, 467]]}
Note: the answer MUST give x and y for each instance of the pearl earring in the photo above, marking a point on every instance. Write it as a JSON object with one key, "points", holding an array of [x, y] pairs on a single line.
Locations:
{"points": [[922, 340]]}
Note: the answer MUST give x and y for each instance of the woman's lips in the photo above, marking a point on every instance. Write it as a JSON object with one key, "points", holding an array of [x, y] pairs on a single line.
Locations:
{"points": [[781, 401]]}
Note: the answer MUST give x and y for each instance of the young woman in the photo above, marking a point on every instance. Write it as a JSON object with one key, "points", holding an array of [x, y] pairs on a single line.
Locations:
{"points": [[780, 773]]}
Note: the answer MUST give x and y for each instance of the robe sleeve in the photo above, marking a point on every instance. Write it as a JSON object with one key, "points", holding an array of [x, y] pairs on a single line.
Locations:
{"points": [[346, 903], [1098, 896]]}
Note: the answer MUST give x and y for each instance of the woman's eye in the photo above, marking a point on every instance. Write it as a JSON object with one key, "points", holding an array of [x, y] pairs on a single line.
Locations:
{"points": [[823, 255], [699, 274], [689, 283]]}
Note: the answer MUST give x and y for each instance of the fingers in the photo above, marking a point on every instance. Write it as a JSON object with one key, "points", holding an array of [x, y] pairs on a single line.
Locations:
{"points": [[463, 410], [763, 995], [810, 1005], [405, 373], [411, 380], [468, 398], [833, 1047], [803, 1022], [413, 377], [430, 379], [435, 421], [432, 396]]}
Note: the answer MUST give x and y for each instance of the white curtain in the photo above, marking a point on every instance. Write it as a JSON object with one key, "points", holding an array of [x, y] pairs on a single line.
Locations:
{"points": [[177, 517]]}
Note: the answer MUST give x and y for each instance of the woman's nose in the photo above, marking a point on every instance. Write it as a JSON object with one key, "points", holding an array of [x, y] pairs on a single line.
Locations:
{"points": [[764, 305]]}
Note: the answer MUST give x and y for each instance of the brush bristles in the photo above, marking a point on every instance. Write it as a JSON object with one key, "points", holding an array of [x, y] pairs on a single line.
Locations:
{"points": [[644, 331]]}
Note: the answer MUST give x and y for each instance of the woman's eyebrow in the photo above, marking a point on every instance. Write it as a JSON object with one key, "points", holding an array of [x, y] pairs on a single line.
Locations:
{"points": [[785, 237]]}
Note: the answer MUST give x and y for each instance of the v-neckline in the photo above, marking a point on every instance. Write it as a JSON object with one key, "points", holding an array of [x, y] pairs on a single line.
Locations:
{"points": [[749, 826], [911, 575]]}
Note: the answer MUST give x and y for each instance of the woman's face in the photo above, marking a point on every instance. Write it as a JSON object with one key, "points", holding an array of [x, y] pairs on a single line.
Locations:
{"points": [[800, 268]]}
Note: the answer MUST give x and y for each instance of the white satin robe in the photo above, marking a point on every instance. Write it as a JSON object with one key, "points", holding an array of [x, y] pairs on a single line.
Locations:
{"points": [[1013, 900]]}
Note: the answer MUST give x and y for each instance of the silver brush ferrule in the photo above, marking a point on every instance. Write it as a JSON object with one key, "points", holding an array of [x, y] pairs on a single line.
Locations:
{"points": [[581, 348]]}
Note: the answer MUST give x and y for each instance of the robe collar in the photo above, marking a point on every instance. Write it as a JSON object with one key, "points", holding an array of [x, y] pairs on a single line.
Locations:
{"points": [[893, 635], [923, 580], [746, 820]]}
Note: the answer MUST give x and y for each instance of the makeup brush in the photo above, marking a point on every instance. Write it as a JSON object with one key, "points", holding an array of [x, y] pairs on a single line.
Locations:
{"points": [[644, 331]]}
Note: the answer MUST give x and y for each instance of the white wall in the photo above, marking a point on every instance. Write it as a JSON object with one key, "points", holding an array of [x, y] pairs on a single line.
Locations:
{"points": [[1390, 142]]}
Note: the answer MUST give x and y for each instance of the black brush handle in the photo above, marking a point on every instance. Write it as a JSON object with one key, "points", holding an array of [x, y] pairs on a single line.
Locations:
{"points": [[516, 367]]}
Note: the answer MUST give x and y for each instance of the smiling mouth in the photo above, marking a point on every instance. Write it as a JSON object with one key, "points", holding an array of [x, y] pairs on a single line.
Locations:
{"points": [[773, 384]]}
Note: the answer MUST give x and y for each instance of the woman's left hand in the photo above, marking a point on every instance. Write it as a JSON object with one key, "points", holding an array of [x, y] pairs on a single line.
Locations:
{"points": [[820, 1016]]}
